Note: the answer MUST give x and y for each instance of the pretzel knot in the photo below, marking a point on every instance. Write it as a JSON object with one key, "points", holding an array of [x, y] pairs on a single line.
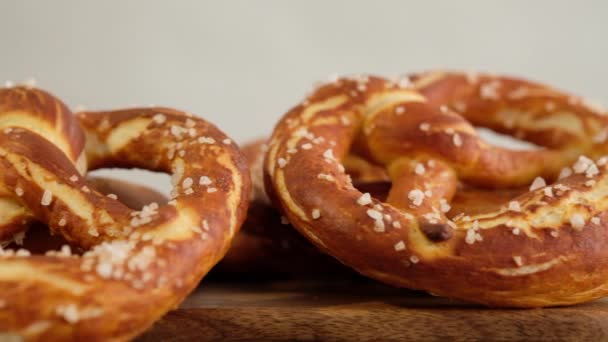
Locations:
{"points": [[542, 248], [136, 265]]}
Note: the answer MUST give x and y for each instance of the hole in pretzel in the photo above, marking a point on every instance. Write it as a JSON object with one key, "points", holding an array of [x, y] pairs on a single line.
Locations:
{"points": [[505, 140], [146, 180]]}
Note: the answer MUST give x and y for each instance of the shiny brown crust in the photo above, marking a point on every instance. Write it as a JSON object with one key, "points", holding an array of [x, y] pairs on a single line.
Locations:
{"points": [[39, 112], [139, 264], [543, 248], [267, 245], [39, 239]]}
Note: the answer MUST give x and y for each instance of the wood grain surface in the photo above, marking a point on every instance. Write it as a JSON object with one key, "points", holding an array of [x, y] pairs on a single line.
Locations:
{"points": [[356, 310]]}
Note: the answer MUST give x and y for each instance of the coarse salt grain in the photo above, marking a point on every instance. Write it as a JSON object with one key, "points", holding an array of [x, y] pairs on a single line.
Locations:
{"points": [[425, 126], [281, 162], [19, 191], [595, 220], [489, 90], [206, 140], [399, 246], [399, 110], [374, 214], [379, 226], [591, 171], [47, 198], [457, 140], [565, 172], [187, 183], [316, 213], [518, 260], [419, 169], [69, 313], [514, 206], [365, 199], [159, 118], [470, 238], [582, 164], [577, 221], [416, 196], [307, 146], [444, 206], [204, 180], [325, 176], [538, 183]]}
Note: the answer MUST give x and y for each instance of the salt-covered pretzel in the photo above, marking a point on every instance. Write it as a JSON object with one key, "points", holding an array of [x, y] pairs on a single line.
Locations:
{"points": [[542, 248], [138, 264]]}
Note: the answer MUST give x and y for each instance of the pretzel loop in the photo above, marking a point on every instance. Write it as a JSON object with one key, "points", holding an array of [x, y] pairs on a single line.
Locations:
{"points": [[540, 249]]}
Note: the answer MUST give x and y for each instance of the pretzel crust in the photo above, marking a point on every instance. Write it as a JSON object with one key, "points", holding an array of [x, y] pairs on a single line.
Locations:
{"points": [[267, 244], [542, 249], [44, 114], [139, 264]]}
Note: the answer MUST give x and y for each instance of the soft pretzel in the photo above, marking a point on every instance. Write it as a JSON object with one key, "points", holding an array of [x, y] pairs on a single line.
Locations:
{"points": [[138, 264], [542, 248]]}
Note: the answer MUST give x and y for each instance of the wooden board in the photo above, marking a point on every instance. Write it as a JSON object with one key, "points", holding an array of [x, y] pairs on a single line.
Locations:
{"points": [[362, 311]]}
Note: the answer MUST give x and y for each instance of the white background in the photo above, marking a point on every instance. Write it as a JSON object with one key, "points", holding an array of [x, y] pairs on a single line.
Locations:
{"points": [[242, 64]]}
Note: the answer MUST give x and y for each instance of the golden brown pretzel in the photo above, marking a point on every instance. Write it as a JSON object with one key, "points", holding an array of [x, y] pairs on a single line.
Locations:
{"points": [[545, 247], [139, 264]]}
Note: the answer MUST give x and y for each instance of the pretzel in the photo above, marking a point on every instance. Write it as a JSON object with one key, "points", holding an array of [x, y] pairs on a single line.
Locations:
{"points": [[542, 248], [137, 264]]}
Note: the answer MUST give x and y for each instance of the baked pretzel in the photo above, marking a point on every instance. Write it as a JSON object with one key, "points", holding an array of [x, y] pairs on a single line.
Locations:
{"points": [[542, 248], [138, 264]]}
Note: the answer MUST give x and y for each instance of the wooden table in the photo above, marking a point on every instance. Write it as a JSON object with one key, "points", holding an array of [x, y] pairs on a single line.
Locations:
{"points": [[356, 310]]}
